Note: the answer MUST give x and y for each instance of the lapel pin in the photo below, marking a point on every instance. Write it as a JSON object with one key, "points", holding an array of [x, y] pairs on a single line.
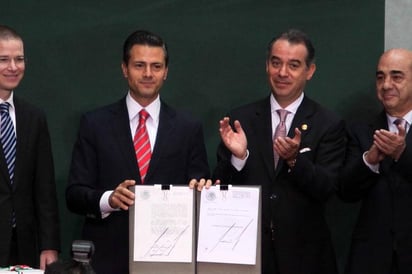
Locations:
{"points": [[304, 127]]}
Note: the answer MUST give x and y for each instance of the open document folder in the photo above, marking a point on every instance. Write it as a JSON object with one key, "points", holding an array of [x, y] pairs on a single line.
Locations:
{"points": [[228, 225], [163, 224]]}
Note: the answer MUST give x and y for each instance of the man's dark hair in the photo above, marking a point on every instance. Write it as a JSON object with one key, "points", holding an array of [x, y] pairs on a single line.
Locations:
{"points": [[143, 37], [295, 36]]}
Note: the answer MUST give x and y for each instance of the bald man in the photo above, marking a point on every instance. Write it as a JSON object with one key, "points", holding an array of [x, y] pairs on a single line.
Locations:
{"points": [[378, 172]]}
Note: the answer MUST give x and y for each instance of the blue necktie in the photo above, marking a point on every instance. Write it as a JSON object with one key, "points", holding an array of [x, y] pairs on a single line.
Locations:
{"points": [[8, 141], [8, 138]]}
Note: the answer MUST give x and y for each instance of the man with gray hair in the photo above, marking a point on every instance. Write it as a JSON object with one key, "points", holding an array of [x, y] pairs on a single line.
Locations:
{"points": [[378, 173]]}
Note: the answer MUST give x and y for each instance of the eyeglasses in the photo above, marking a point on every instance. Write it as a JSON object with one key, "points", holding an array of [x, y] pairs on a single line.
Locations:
{"points": [[19, 61]]}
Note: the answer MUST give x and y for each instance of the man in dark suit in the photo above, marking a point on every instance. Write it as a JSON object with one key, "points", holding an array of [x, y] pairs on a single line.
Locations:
{"points": [[104, 163], [29, 223], [378, 172], [295, 236]]}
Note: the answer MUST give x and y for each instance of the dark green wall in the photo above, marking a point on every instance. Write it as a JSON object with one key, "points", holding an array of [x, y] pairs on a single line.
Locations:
{"points": [[217, 50]]}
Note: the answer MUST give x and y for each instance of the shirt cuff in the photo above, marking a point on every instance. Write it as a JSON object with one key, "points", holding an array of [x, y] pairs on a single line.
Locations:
{"points": [[238, 163], [374, 168], [105, 207]]}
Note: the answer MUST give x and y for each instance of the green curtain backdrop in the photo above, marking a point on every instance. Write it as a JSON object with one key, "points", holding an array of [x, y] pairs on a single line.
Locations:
{"points": [[217, 61]]}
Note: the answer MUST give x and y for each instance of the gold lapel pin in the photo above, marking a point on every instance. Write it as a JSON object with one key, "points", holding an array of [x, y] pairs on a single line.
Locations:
{"points": [[304, 127]]}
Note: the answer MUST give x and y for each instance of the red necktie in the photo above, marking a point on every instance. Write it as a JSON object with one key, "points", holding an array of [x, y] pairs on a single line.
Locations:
{"points": [[142, 145], [280, 130]]}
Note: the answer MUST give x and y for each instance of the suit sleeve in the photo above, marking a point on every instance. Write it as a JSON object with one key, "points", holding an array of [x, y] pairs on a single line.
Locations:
{"points": [[224, 170], [356, 178], [45, 191], [82, 195]]}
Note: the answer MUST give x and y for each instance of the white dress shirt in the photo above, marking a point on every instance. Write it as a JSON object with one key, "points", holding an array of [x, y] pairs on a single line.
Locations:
{"points": [[274, 106], [152, 123]]}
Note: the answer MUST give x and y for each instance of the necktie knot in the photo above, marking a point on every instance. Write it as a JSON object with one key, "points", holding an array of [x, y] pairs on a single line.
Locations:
{"points": [[4, 107], [282, 114], [143, 115], [401, 122]]}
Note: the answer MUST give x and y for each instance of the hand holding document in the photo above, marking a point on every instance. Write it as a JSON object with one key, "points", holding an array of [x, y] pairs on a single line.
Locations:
{"points": [[163, 224], [228, 224]]}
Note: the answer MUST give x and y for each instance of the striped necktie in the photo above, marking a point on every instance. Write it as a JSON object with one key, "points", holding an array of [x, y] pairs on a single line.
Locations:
{"points": [[142, 145], [8, 138]]}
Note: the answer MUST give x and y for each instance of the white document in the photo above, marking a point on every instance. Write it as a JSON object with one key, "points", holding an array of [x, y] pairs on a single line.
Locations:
{"points": [[163, 224], [228, 225]]}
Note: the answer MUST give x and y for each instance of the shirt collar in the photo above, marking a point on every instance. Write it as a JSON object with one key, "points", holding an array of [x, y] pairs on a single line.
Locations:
{"points": [[292, 108], [9, 100], [134, 108], [407, 117]]}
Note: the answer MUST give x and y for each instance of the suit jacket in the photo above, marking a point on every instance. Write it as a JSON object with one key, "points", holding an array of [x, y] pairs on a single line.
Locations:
{"points": [[104, 156], [33, 194], [384, 222], [292, 200]]}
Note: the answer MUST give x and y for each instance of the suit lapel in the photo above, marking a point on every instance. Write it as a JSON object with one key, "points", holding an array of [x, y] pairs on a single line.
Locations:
{"points": [[408, 138], [302, 119], [23, 140], [166, 127], [122, 136], [4, 173], [262, 126]]}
